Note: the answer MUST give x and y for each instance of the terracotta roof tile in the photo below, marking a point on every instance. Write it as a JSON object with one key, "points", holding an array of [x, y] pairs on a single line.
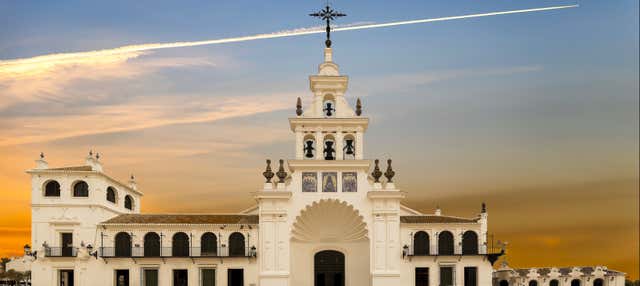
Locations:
{"points": [[435, 219], [183, 219]]}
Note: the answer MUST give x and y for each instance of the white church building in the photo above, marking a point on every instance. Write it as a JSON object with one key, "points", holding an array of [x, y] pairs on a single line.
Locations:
{"points": [[328, 217]]}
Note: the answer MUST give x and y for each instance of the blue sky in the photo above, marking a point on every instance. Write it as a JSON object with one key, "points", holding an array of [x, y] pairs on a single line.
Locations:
{"points": [[535, 113]]}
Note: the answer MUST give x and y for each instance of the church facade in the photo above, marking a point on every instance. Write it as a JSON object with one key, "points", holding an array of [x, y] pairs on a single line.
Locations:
{"points": [[327, 217]]}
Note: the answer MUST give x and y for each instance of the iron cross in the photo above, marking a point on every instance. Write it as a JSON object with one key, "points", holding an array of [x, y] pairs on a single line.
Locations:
{"points": [[328, 14]]}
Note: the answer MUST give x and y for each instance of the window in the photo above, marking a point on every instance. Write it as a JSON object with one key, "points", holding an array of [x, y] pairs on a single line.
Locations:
{"points": [[111, 194], [469, 243], [208, 277], [151, 245], [180, 277], [80, 189], [122, 277], [52, 189], [575, 282], [446, 276], [235, 277], [150, 277], [421, 243], [506, 283], [128, 202], [598, 282], [330, 182], [445, 243], [533, 283], [123, 244], [553, 282], [65, 277], [209, 244], [236, 244], [180, 245], [422, 276], [470, 276], [309, 181]]}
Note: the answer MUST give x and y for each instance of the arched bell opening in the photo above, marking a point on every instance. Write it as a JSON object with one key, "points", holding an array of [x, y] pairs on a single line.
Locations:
{"points": [[309, 146], [349, 147], [329, 150], [329, 106]]}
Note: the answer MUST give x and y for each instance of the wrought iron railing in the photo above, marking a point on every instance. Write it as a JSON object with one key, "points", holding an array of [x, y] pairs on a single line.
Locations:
{"points": [[61, 251], [166, 252]]}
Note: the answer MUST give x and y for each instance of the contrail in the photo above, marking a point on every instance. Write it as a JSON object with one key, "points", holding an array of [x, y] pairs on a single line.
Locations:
{"points": [[45, 62]]}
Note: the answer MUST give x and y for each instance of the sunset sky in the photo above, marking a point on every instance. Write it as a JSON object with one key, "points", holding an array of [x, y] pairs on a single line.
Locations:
{"points": [[535, 114]]}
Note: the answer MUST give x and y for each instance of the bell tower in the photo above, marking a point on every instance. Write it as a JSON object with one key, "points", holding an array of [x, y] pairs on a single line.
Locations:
{"points": [[329, 128]]}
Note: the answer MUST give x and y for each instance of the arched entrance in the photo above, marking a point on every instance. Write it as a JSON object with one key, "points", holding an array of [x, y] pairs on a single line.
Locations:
{"points": [[329, 268]]}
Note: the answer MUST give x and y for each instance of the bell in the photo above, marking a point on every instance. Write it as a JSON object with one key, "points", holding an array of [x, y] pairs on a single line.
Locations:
{"points": [[329, 109], [329, 151], [309, 149], [349, 149]]}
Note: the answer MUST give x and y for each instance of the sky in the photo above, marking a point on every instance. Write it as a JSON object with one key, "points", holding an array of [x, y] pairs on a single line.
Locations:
{"points": [[535, 114]]}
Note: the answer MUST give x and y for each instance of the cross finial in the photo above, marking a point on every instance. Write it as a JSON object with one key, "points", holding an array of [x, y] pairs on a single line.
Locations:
{"points": [[328, 14]]}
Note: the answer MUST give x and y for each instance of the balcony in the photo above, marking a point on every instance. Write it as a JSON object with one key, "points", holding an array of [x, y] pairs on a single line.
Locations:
{"points": [[170, 252], [61, 251]]}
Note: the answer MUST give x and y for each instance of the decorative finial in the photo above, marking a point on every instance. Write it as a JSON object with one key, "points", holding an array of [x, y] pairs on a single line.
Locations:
{"points": [[299, 107], [484, 208], [268, 174], [41, 155], [90, 153], [281, 173], [328, 14], [132, 178], [389, 173], [358, 107], [97, 156], [376, 174]]}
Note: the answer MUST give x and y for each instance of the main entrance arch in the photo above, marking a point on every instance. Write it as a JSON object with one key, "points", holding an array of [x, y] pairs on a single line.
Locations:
{"points": [[329, 268]]}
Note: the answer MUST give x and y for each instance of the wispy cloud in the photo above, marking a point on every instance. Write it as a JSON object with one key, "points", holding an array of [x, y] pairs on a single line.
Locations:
{"points": [[42, 66]]}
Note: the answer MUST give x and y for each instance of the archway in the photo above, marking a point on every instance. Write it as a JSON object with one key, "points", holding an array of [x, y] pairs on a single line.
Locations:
{"points": [[329, 268]]}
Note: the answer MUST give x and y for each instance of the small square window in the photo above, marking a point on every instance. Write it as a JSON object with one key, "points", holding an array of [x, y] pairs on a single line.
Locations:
{"points": [[309, 182], [329, 182]]}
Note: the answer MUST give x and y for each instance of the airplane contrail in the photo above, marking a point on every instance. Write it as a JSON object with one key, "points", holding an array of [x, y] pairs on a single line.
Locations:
{"points": [[44, 62]]}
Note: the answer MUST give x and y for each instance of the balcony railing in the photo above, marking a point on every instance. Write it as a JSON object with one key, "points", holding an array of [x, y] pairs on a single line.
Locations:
{"points": [[168, 252], [61, 252]]}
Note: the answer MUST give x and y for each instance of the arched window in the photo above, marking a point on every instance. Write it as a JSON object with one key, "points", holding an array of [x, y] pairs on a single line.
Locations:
{"points": [[504, 283], [598, 282], [209, 244], [445, 243], [111, 194], [236, 244], [128, 202], [469, 243], [80, 189], [533, 283], [554, 282], [123, 244], [329, 106], [575, 282], [349, 149], [151, 245], [309, 147], [329, 151], [180, 245], [421, 243], [52, 189]]}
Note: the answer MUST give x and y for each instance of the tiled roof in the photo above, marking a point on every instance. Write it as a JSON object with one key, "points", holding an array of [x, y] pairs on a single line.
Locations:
{"points": [[72, 168], [435, 219], [183, 219]]}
